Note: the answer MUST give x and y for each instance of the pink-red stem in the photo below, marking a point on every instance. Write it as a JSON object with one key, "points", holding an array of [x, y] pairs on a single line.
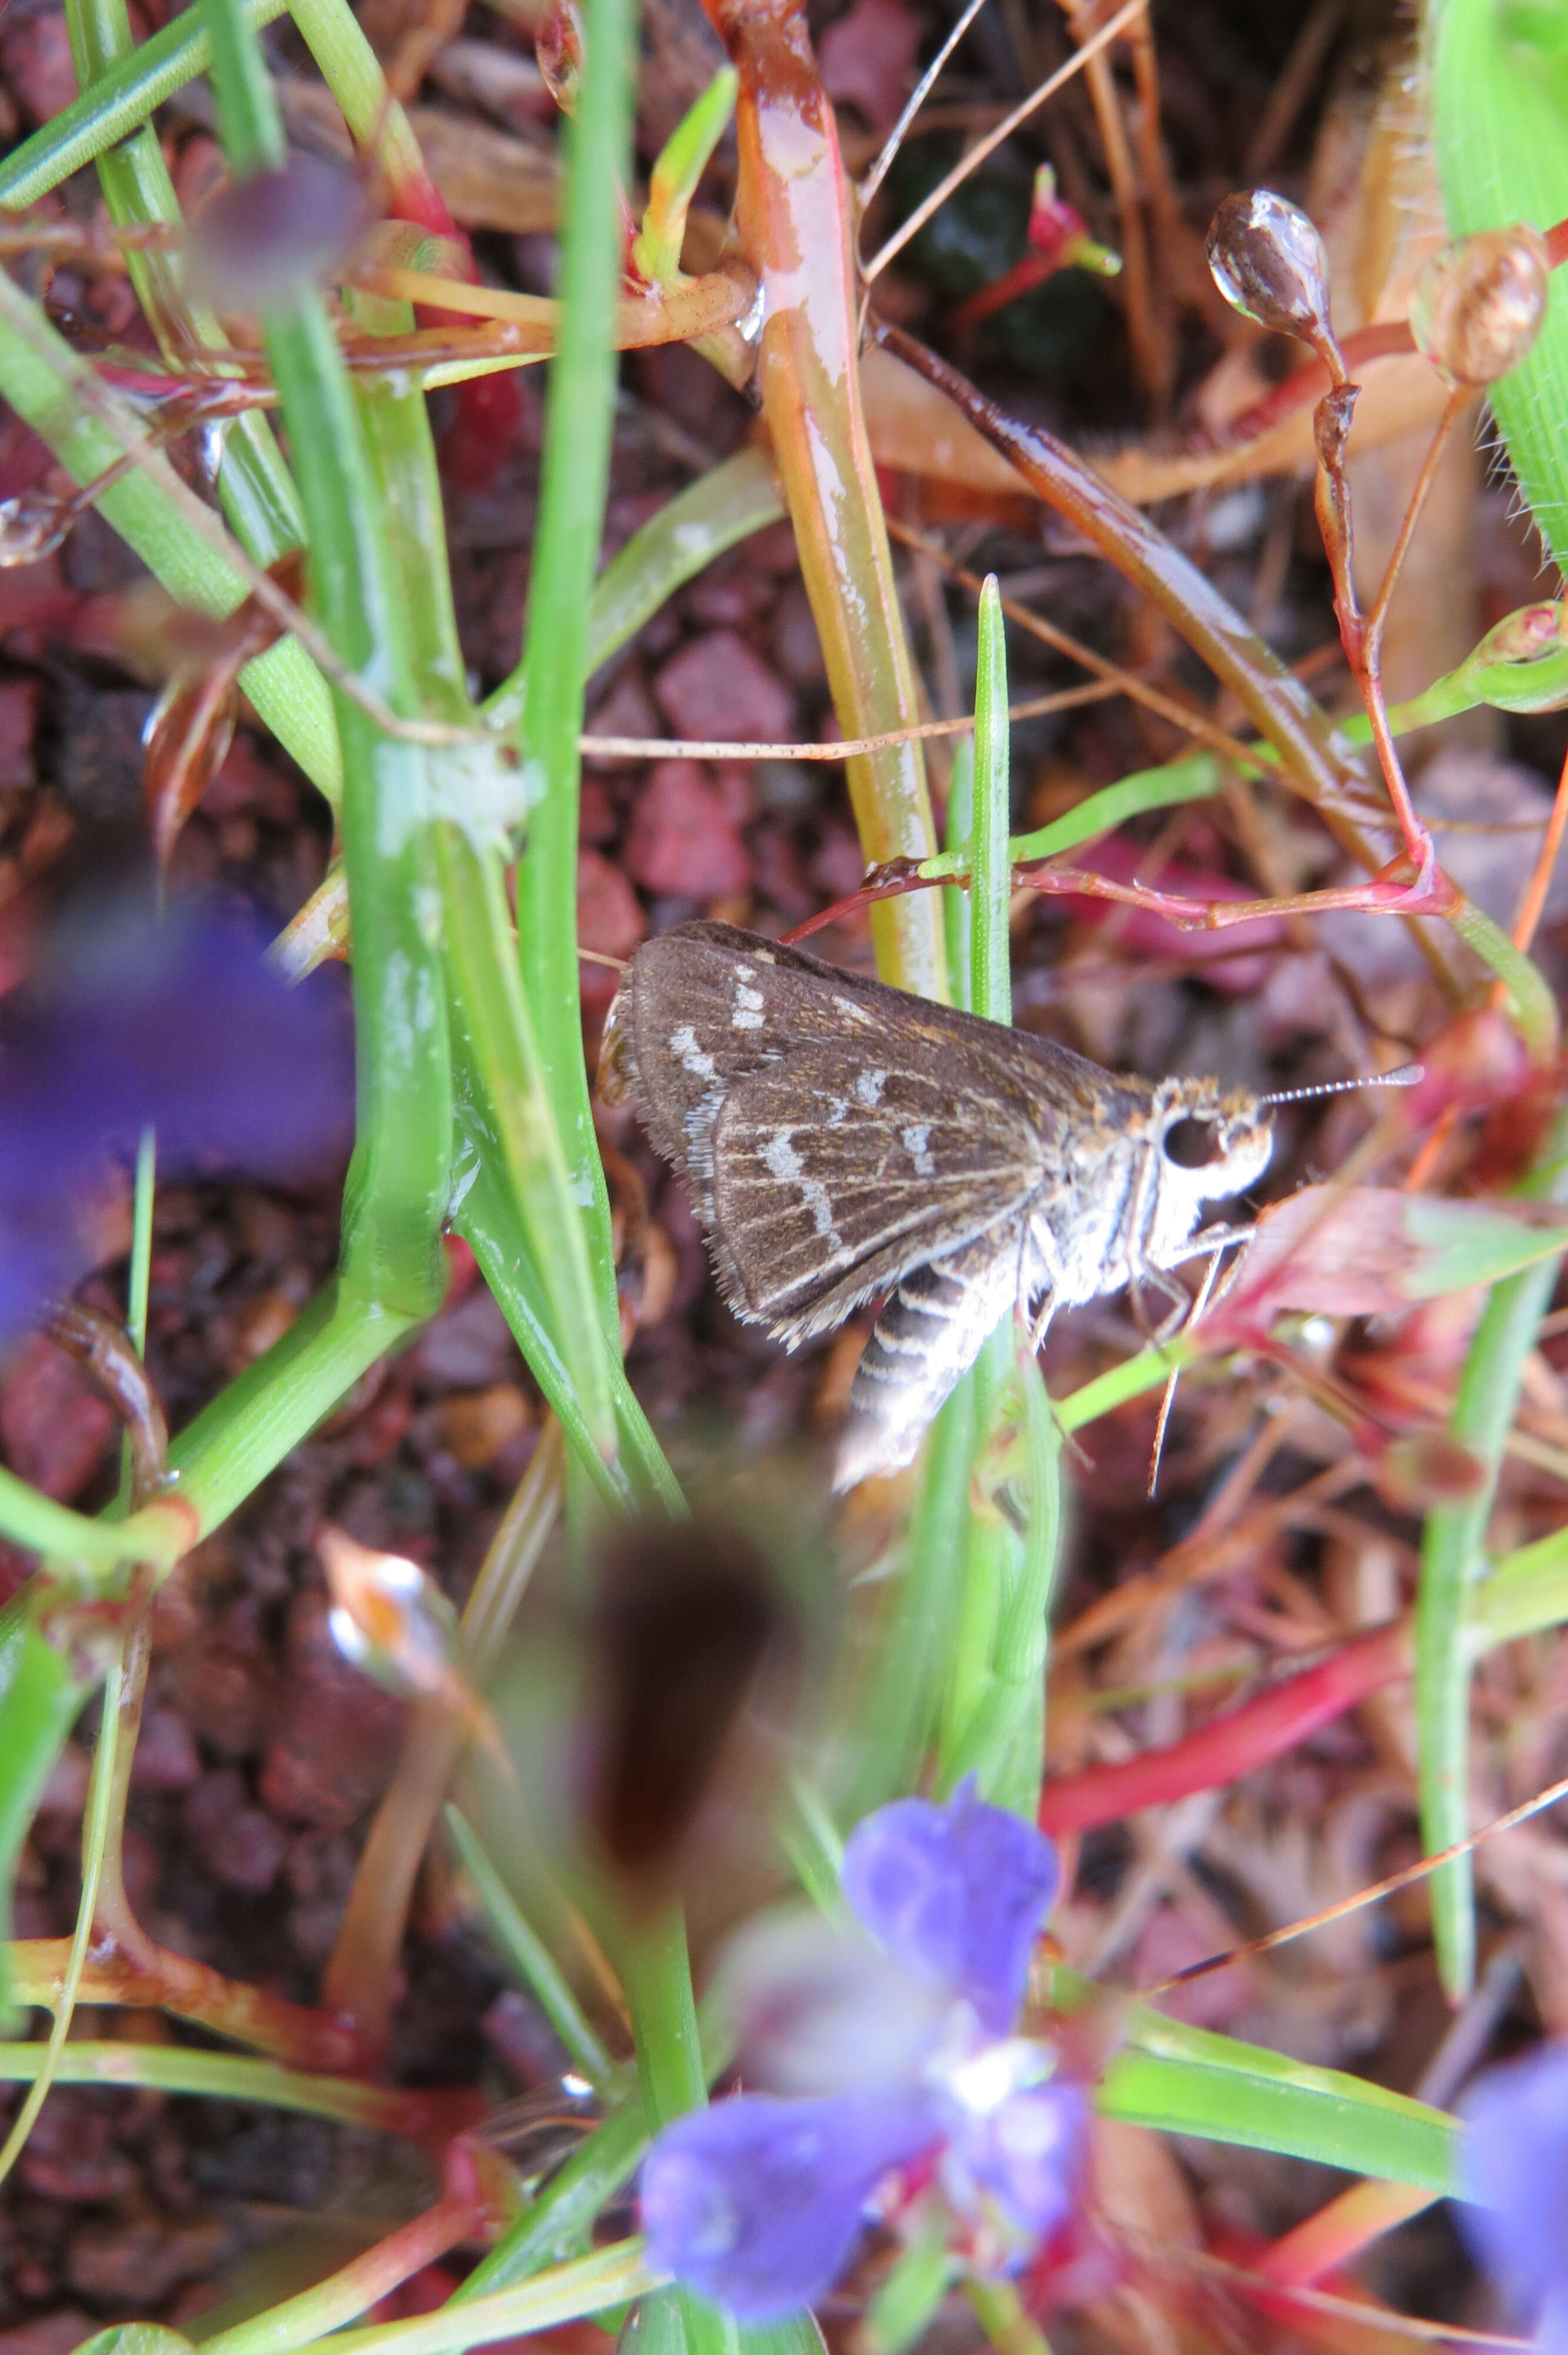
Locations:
{"points": [[1242, 1740]]}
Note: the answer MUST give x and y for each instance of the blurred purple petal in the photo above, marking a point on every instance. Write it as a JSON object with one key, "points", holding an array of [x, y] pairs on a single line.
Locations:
{"points": [[1514, 2171], [757, 2203], [183, 1024], [957, 1894], [1027, 2154], [818, 2008]]}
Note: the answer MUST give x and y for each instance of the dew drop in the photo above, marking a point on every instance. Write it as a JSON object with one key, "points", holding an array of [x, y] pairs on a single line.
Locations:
{"points": [[1268, 262]]}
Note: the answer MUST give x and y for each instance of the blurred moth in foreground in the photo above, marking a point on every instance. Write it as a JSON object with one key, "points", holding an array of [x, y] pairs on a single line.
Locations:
{"points": [[843, 1140]]}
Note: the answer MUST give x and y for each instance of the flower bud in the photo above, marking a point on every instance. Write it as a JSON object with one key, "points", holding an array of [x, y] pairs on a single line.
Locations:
{"points": [[1479, 302], [1268, 262]]}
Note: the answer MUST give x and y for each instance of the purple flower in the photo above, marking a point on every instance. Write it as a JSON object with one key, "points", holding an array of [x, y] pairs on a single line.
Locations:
{"points": [[183, 1024], [1514, 2181], [756, 2202], [957, 1894]]}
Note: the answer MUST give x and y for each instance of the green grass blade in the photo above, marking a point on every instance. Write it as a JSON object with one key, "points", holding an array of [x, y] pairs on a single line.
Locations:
{"points": [[399, 1181], [114, 104], [1186, 2079], [530, 1957], [39, 1703], [579, 411], [990, 865], [1451, 1561], [1498, 80], [1318, 2114]]}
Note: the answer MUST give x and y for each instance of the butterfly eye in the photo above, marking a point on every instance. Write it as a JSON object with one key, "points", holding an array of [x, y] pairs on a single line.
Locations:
{"points": [[1192, 1143]]}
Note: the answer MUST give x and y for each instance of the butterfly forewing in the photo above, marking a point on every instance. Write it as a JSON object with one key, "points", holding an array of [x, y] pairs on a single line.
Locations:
{"points": [[838, 1133]]}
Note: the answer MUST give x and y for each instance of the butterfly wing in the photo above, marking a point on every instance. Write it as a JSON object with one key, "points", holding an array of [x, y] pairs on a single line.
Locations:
{"points": [[837, 1132], [829, 1182]]}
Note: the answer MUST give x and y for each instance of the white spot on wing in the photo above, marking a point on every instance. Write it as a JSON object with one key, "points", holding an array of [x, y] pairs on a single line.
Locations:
{"points": [[914, 1141], [779, 1156], [868, 1089], [684, 1042]]}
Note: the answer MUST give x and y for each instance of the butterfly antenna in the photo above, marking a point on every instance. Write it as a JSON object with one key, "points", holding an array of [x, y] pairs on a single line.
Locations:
{"points": [[1408, 1075]]}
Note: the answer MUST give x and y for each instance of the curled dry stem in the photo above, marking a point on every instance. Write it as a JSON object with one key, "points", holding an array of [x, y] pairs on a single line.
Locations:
{"points": [[105, 1351]]}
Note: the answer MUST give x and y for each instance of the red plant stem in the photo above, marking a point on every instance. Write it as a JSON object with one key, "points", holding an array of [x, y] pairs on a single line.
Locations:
{"points": [[359, 2285], [1327, 2242], [1242, 1740], [1388, 893], [795, 222], [168, 1982]]}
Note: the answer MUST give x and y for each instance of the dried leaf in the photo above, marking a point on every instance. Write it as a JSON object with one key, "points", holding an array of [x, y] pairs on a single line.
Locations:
{"points": [[1369, 1251]]}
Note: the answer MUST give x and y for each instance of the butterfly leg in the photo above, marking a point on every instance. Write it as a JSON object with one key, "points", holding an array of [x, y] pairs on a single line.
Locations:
{"points": [[929, 1334]]}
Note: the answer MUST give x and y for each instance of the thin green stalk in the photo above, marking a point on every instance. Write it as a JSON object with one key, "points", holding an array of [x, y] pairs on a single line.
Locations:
{"points": [[351, 72], [491, 1014], [574, 476], [972, 1677], [399, 1181], [1129, 1379], [990, 864], [230, 1447], [954, 860], [31, 1520], [106, 1784], [912, 1652], [97, 1820], [987, 1547], [516, 1110], [219, 2076], [1451, 1561], [1023, 1638], [606, 2279], [139, 1274], [1194, 779], [655, 1970], [533, 1960]]}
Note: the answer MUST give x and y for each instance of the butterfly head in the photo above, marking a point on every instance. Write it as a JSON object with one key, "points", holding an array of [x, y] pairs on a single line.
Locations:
{"points": [[1210, 1142]]}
